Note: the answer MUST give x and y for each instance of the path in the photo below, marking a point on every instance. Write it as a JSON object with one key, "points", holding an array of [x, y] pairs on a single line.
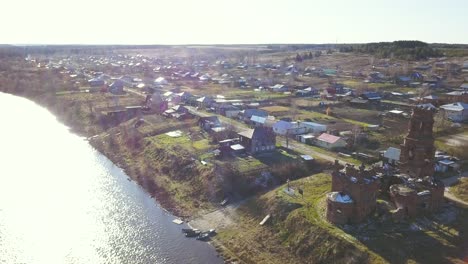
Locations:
{"points": [[300, 147], [218, 219]]}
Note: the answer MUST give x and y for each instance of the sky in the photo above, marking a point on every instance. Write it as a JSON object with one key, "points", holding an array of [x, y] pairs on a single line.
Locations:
{"points": [[231, 22]]}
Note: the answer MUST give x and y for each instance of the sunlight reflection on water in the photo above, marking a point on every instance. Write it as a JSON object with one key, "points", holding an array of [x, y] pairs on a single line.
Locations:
{"points": [[63, 202]]}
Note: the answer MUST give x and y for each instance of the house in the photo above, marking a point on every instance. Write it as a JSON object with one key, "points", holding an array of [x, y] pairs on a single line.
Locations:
{"points": [[204, 78], [258, 120], [257, 140], [289, 128], [177, 111], [456, 112], [376, 77], [160, 81], [358, 102], [185, 96], [156, 103], [306, 138], [328, 73], [371, 96], [309, 91], [279, 88], [403, 80], [392, 155], [314, 128], [433, 82], [228, 110], [209, 122], [205, 101], [95, 82], [423, 67], [328, 141], [446, 165], [247, 114], [116, 87]]}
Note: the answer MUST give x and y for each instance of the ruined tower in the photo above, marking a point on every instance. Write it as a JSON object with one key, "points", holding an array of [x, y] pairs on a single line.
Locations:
{"points": [[417, 150], [354, 194]]}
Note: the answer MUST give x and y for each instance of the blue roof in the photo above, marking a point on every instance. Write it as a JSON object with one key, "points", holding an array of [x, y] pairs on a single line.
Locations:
{"points": [[258, 119], [371, 95], [404, 78], [256, 112]]}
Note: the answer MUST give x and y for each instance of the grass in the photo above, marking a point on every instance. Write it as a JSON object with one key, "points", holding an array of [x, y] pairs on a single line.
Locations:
{"points": [[357, 84], [335, 155], [355, 122], [199, 146], [298, 232], [275, 109], [460, 190], [247, 164], [302, 114]]}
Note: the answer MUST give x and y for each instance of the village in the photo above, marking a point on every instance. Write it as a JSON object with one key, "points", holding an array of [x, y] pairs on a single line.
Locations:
{"points": [[357, 111], [252, 121]]}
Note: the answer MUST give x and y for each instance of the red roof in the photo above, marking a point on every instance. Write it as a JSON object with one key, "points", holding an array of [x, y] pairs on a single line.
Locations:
{"points": [[328, 138]]}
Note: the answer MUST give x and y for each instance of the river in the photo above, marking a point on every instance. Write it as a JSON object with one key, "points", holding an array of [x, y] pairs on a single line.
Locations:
{"points": [[61, 201]]}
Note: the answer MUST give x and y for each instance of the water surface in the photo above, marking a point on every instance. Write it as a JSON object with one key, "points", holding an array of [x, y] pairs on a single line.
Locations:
{"points": [[63, 202]]}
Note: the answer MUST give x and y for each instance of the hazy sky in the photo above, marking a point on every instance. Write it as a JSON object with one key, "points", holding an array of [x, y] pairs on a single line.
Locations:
{"points": [[234, 21]]}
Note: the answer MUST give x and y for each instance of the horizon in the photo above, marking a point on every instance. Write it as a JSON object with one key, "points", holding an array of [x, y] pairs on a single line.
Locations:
{"points": [[218, 44], [210, 22]]}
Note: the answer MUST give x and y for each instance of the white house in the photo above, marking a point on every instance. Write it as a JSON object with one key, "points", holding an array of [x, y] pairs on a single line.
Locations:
{"points": [[330, 141], [457, 112], [314, 127], [160, 81], [289, 128], [306, 138], [279, 88], [392, 155]]}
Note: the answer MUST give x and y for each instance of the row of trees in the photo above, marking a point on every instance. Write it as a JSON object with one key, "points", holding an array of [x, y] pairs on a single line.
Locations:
{"points": [[404, 49]]}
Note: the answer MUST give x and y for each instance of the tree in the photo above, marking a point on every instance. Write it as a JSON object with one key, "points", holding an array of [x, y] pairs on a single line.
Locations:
{"points": [[299, 58]]}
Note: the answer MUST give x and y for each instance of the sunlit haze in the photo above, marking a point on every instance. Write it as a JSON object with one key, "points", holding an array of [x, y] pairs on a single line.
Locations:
{"points": [[236, 22]]}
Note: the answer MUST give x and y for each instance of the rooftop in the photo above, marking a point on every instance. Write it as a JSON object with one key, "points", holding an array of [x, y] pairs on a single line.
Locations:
{"points": [[328, 138], [339, 197]]}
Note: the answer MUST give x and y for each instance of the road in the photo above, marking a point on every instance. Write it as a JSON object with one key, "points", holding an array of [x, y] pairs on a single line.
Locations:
{"points": [[302, 148]]}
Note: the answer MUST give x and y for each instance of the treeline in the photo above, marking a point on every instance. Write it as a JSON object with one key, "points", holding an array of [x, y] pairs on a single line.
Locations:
{"points": [[402, 49], [7, 51]]}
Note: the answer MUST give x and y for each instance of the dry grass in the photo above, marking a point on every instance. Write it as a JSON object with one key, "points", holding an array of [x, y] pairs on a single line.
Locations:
{"points": [[460, 190]]}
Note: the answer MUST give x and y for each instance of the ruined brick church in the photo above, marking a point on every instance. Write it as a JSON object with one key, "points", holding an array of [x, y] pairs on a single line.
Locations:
{"points": [[412, 188]]}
